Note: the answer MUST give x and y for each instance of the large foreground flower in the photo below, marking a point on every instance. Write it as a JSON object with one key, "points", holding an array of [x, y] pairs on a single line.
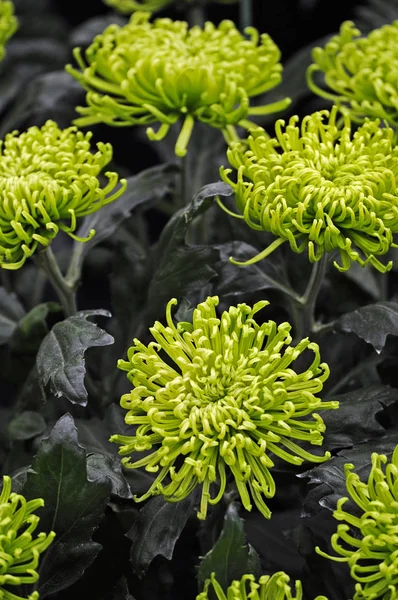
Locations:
{"points": [[130, 6], [8, 24], [268, 587], [225, 398], [163, 72], [19, 549], [360, 72], [320, 187], [48, 178], [368, 543]]}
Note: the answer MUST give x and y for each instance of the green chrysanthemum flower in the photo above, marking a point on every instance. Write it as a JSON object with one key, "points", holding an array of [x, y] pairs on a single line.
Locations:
{"points": [[19, 551], [130, 6], [369, 543], [8, 24], [229, 400], [48, 178], [163, 72], [320, 188], [274, 587], [361, 73]]}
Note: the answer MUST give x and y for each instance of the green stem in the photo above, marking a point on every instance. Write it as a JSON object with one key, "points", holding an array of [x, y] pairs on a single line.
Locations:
{"points": [[48, 263], [181, 197], [195, 15], [245, 14], [74, 271], [308, 300]]}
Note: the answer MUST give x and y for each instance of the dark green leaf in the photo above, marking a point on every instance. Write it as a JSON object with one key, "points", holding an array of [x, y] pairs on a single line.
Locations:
{"points": [[11, 311], [74, 506], [32, 328], [156, 530], [373, 323], [179, 268], [26, 426], [332, 474], [109, 468], [231, 557], [355, 421], [121, 591], [24, 61], [232, 279], [151, 184], [84, 34], [60, 360]]}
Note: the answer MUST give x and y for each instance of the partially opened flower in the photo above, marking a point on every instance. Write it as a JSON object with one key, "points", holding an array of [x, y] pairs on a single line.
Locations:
{"points": [[225, 397], [268, 587], [164, 72], [48, 178], [19, 549], [368, 540], [320, 187], [130, 6], [361, 73], [8, 24]]}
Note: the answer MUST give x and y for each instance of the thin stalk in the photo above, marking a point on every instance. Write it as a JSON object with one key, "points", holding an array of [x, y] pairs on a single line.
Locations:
{"points": [[48, 263], [309, 299], [181, 197], [196, 15], [245, 14]]}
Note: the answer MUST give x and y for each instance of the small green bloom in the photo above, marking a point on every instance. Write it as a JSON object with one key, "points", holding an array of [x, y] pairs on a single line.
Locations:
{"points": [[48, 178], [368, 539], [360, 72], [164, 72], [320, 187], [130, 6], [224, 400], [268, 587], [8, 24], [19, 551]]}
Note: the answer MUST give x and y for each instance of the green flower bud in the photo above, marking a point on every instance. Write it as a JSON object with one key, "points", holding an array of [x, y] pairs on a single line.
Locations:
{"points": [[48, 178], [320, 188], [268, 587], [164, 72], [368, 540], [19, 550], [224, 400], [360, 72], [8, 24]]}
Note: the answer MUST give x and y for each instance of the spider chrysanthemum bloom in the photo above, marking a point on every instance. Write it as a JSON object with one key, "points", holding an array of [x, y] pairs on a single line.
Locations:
{"points": [[360, 72], [368, 540], [130, 6], [267, 587], [48, 178], [8, 24], [19, 549], [320, 187], [164, 72], [225, 398]]}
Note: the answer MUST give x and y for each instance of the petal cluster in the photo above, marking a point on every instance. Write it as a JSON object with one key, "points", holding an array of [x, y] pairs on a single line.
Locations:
{"points": [[216, 398], [130, 6], [48, 178], [19, 549], [368, 539], [8, 24], [268, 587], [360, 73], [320, 187], [164, 72]]}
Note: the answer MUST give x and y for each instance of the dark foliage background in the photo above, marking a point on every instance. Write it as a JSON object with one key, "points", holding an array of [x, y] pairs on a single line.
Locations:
{"points": [[108, 547]]}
